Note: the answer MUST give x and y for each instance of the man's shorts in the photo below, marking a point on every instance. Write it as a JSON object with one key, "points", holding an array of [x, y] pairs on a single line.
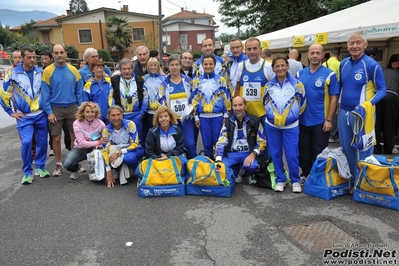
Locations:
{"points": [[63, 113]]}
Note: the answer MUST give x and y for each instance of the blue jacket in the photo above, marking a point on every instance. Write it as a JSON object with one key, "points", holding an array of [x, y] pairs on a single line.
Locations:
{"points": [[18, 94], [284, 104]]}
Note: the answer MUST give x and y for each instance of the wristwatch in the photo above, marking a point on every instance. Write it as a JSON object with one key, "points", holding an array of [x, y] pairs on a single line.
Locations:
{"points": [[118, 153], [255, 153]]}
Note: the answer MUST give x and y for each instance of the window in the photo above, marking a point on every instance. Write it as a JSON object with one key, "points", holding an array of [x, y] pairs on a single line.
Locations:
{"points": [[166, 39], [200, 37], [138, 34], [85, 36]]}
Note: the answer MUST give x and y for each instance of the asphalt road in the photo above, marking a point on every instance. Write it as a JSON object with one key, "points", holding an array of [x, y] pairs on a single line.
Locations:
{"points": [[58, 221]]}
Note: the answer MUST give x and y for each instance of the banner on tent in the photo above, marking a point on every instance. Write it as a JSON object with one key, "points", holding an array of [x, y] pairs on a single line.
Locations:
{"points": [[321, 38], [307, 40], [265, 44]]}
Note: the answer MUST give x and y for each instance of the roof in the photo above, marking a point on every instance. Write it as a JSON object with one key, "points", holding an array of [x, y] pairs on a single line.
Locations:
{"points": [[186, 14], [189, 24], [17, 28], [109, 10], [377, 19], [49, 22]]}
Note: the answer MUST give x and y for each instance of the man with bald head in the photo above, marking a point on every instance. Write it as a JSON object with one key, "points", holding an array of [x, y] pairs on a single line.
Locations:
{"points": [[295, 66], [241, 144], [62, 93], [322, 91]]}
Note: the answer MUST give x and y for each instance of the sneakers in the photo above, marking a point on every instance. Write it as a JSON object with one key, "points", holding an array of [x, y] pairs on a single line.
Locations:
{"points": [[42, 172], [51, 153], [82, 169], [58, 170], [296, 187], [303, 179], [240, 174], [331, 140], [279, 187], [238, 179], [251, 180], [27, 179], [74, 175]]}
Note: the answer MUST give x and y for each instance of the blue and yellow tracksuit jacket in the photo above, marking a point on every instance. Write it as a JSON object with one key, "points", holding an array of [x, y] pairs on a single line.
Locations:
{"points": [[284, 103], [62, 86], [131, 139], [18, 94], [152, 82], [210, 95], [100, 92]]}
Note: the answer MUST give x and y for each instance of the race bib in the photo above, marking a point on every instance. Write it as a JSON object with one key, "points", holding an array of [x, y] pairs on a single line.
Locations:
{"points": [[252, 91], [240, 145], [178, 106]]}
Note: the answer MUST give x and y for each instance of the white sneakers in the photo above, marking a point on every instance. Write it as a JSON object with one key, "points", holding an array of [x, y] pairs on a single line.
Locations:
{"points": [[279, 187], [74, 175], [296, 187]]}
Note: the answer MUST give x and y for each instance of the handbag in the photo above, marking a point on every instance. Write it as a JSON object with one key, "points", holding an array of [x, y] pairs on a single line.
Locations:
{"points": [[324, 181], [161, 177], [378, 182], [95, 161], [265, 177], [209, 178]]}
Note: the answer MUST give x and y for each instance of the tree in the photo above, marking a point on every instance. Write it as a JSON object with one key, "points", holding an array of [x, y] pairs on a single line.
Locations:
{"points": [[29, 32], [151, 41], [7, 37], [105, 55], [226, 38], [337, 5], [71, 50], [78, 6], [263, 16], [119, 33]]}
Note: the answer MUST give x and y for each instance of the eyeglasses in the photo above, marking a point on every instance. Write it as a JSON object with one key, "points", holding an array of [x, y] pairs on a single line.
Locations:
{"points": [[187, 58]]}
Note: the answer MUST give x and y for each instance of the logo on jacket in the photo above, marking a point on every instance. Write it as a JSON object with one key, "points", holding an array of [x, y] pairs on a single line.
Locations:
{"points": [[358, 76], [245, 78], [318, 82]]}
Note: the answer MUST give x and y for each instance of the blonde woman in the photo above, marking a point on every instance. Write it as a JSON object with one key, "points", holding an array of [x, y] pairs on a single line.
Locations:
{"points": [[87, 128]]}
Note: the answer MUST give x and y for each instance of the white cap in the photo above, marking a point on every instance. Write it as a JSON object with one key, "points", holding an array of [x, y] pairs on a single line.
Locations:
{"points": [[134, 58]]}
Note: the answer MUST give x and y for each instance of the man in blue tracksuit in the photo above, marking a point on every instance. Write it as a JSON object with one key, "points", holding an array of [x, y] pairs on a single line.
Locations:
{"points": [[90, 56], [361, 80], [130, 94], [241, 144], [221, 68], [322, 91], [62, 89], [237, 57], [21, 98]]}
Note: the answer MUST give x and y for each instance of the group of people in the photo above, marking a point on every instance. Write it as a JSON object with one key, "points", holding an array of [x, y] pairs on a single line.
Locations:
{"points": [[247, 111]]}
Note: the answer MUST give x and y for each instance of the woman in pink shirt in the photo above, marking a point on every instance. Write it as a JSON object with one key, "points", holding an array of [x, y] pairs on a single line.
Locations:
{"points": [[88, 128]]}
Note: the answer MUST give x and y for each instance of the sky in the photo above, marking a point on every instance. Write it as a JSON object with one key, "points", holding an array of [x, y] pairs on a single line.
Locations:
{"points": [[169, 7]]}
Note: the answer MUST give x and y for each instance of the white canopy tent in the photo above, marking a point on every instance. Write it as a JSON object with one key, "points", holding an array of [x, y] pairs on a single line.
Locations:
{"points": [[377, 19]]}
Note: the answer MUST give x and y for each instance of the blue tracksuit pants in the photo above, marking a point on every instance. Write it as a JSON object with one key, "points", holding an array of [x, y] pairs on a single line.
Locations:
{"points": [[210, 131], [188, 128], [284, 139], [29, 127], [235, 160], [345, 131]]}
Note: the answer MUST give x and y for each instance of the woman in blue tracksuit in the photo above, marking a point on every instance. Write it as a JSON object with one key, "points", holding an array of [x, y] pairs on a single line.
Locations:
{"points": [[211, 102], [99, 89], [152, 82], [175, 92], [284, 100]]}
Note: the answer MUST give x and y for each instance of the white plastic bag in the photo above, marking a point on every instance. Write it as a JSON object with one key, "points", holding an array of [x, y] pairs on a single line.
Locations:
{"points": [[96, 165]]}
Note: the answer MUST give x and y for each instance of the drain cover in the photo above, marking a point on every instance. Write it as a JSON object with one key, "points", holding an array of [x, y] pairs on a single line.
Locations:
{"points": [[316, 236]]}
